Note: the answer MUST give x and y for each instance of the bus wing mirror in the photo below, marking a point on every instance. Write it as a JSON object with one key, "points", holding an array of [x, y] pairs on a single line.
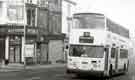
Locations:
{"points": [[105, 49], [67, 47]]}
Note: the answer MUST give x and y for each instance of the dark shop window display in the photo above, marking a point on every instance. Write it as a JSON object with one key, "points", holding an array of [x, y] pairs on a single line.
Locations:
{"points": [[15, 49]]}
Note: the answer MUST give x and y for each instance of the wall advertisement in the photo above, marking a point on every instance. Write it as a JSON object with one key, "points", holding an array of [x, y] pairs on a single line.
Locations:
{"points": [[29, 50]]}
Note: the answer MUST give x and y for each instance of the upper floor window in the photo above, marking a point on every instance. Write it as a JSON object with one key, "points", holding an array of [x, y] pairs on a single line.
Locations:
{"points": [[43, 3], [29, 1], [31, 16], [15, 12], [1, 8]]}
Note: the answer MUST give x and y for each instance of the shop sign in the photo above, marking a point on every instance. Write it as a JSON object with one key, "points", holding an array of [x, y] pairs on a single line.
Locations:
{"points": [[15, 30], [29, 50], [33, 31]]}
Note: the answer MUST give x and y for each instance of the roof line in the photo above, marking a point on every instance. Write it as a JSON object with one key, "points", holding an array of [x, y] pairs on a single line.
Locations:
{"points": [[72, 2]]}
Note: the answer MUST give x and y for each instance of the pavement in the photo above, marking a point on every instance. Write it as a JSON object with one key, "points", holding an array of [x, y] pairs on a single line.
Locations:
{"points": [[46, 66], [20, 67]]}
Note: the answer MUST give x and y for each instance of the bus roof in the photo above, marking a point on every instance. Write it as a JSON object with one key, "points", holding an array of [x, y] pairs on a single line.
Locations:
{"points": [[89, 14], [111, 25]]}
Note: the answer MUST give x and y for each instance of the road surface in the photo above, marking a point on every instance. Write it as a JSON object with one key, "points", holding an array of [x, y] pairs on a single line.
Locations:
{"points": [[59, 74]]}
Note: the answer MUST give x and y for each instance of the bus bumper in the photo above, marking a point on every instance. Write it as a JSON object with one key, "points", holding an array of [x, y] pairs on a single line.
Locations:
{"points": [[90, 72]]}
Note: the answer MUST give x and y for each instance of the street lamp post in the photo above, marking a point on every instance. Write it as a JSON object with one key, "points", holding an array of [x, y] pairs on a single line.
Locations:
{"points": [[24, 33]]}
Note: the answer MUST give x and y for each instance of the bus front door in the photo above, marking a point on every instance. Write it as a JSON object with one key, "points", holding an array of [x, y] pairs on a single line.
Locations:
{"points": [[116, 59]]}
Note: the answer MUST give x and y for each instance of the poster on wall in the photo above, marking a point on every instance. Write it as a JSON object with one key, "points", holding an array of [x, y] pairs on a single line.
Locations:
{"points": [[29, 50]]}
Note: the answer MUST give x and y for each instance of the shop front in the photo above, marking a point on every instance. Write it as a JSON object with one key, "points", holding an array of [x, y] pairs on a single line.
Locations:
{"points": [[48, 49], [12, 44], [17, 53], [15, 47], [2, 48]]}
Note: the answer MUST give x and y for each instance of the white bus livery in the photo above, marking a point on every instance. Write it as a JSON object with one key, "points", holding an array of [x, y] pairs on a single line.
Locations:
{"points": [[97, 46]]}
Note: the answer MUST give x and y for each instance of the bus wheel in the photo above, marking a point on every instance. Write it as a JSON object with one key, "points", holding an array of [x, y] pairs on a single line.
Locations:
{"points": [[78, 75], [125, 67], [110, 71]]}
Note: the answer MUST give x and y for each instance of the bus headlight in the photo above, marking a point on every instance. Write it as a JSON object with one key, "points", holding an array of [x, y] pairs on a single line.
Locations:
{"points": [[98, 65]]}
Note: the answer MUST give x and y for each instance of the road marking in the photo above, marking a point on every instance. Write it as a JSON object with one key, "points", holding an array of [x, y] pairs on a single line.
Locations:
{"points": [[34, 78], [133, 78], [60, 75]]}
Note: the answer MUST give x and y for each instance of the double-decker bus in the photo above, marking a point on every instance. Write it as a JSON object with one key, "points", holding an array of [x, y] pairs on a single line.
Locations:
{"points": [[97, 46]]}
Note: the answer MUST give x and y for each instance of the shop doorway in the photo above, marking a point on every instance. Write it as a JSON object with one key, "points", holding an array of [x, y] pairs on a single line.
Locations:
{"points": [[15, 49], [42, 53], [2, 49], [15, 54]]}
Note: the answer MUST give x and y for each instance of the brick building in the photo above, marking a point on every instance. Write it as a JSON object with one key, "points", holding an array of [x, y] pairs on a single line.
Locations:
{"points": [[43, 39]]}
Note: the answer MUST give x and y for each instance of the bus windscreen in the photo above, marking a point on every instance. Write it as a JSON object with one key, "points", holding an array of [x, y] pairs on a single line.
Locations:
{"points": [[86, 51]]}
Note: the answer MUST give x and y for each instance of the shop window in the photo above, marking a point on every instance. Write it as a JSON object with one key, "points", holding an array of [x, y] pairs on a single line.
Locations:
{"points": [[15, 40], [38, 45]]}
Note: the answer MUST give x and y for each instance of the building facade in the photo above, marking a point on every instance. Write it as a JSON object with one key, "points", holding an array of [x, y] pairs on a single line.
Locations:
{"points": [[68, 9], [43, 40]]}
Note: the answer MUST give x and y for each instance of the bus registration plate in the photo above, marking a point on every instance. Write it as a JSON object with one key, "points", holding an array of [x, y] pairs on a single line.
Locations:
{"points": [[94, 65], [84, 62]]}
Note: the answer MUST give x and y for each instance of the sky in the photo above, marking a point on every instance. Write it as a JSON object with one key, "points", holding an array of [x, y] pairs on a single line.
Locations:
{"points": [[120, 11]]}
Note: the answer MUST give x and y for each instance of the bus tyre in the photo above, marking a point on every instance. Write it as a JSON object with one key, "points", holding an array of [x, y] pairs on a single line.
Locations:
{"points": [[67, 71], [78, 75], [127, 66], [110, 71], [125, 69]]}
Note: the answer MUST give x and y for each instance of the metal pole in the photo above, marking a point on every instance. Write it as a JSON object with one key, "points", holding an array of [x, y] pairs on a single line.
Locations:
{"points": [[49, 30], [24, 54]]}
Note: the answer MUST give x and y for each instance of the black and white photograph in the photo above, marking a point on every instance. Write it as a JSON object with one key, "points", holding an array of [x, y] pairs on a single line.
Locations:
{"points": [[67, 40]]}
